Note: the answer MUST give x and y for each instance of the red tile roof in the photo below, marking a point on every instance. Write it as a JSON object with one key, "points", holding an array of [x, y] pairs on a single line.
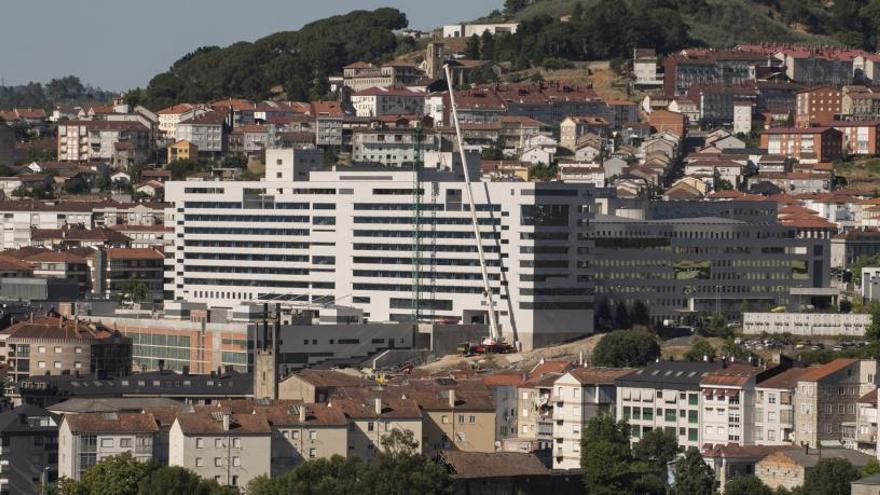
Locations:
{"points": [[122, 423], [818, 373]]}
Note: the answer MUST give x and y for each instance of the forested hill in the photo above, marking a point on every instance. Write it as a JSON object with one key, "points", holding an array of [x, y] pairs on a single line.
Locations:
{"points": [[298, 60]]}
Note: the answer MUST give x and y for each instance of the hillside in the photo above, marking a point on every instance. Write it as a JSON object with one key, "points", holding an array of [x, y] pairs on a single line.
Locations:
{"points": [[298, 60]]}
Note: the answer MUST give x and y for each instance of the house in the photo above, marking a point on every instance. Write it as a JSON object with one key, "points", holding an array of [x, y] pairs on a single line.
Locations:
{"points": [[665, 120], [589, 173], [727, 405], [644, 68], [29, 435], [505, 472], [788, 469], [58, 346], [859, 137], [170, 117], [588, 148], [328, 117], [391, 146], [86, 439], [869, 485], [182, 150], [381, 101], [150, 188], [579, 396], [573, 128], [229, 448], [806, 144], [731, 461], [62, 265], [687, 107], [127, 266], [315, 385], [455, 418], [371, 419]]}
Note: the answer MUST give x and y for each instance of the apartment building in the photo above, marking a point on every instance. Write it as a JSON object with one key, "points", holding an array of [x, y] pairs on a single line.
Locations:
{"points": [[728, 405], [29, 452], [774, 408], [504, 388], [90, 140], [534, 407], [371, 419], [229, 448], [87, 438], [807, 144], [393, 147], [667, 121], [206, 132], [329, 118], [864, 438], [573, 128], [827, 397], [381, 101], [579, 396], [666, 395], [346, 236], [455, 418], [689, 260], [817, 106], [361, 76], [859, 137], [128, 266], [63, 265], [292, 164], [170, 117], [45, 345]]}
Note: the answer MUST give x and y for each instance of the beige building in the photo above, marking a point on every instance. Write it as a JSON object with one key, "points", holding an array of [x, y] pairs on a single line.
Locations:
{"points": [[534, 407], [461, 419], [774, 408], [372, 419], [579, 396], [85, 439], [229, 448], [728, 405], [313, 385], [788, 469], [826, 398]]}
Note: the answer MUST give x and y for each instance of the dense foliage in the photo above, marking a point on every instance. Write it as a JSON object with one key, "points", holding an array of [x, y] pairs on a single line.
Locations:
{"points": [[298, 60], [634, 348], [693, 475], [830, 476], [66, 90]]}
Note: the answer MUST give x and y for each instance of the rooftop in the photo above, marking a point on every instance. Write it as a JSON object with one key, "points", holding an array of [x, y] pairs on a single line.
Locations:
{"points": [[125, 423]]}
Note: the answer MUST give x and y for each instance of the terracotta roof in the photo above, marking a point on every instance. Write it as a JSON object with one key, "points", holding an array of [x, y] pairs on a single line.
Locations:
{"points": [[326, 108], [203, 422], [437, 398], [869, 398], [124, 423], [79, 234], [734, 375], [502, 379], [215, 117], [797, 130], [818, 373], [134, 254], [786, 380], [107, 125], [55, 257], [176, 109], [328, 378], [493, 465], [48, 327], [11, 263], [385, 91], [391, 408], [598, 376], [743, 451]]}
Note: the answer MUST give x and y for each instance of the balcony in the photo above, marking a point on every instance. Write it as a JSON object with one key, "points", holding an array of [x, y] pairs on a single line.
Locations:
{"points": [[868, 437]]}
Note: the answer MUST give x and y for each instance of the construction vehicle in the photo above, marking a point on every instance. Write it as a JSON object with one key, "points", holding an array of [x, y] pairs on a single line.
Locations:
{"points": [[495, 342]]}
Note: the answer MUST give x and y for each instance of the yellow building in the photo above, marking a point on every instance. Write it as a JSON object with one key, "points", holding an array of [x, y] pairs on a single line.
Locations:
{"points": [[182, 150]]}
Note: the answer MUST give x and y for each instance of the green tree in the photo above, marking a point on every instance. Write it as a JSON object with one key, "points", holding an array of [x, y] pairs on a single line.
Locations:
{"points": [[634, 348], [830, 476], [655, 450], [134, 290], [862, 262], [487, 46], [872, 333], [746, 485], [869, 469], [472, 49], [700, 348], [115, 475], [514, 6], [621, 315], [166, 480], [606, 456], [76, 185], [603, 315], [639, 314], [693, 476]]}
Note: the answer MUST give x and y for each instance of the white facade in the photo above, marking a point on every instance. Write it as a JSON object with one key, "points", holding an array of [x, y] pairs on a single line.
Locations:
{"points": [[79, 451], [774, 415], [742, 118], [208, 137], [574, 405], [807, 324], [392, 147], [376, 102], [468, 30], [292, 164], [346, 237], [18, 223]]}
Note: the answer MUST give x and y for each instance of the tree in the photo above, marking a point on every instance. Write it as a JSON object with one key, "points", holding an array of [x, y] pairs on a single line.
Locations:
{"points": [[514, 6], [472, 49], [135, 290], [603, 315], [692, 475], [746, 485], [699, 349], [76, 185], [830, 476], [175, 479], [621, 315], [723, 185], [656, 449], [862, 262], [487, 46], [634, 348], [872, 333], [115, 475], [639, 314], [606, 456], [869, 469]]}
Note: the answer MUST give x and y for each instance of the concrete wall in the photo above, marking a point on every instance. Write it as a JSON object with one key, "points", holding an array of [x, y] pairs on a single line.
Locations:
{"points": [[807, 324]]}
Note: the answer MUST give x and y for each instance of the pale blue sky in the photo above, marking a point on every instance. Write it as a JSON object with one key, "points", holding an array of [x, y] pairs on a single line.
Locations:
{"points": [[121, 44]]}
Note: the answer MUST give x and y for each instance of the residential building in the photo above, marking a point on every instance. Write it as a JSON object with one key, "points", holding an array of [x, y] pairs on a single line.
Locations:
{"points": [[86, 439], [869, 485], [534, 407], [579, 396], [170, 117], [93, 140], [468, 30], [127, 267], [182, 150], [807, 324], [817, 106], [808, 144], [58, 346], [731, 461], [29, 458], [455, 418], [288, 164], [381, 101], [864, 437], [859, 137], [315, 385], [372, 419], [716, 101], [644, 66], [573, 128], [63, 265], [788, 469], [230, 448], [341, 210], [666, 395], [328, 117], [361, 76], [504, 388], [251, 139], [743, 112], [206, 132], [666, 121], [827, 397], [392, 147], [774, 408]]}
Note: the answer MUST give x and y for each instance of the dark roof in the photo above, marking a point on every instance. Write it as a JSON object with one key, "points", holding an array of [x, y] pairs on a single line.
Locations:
{"points": [[328, 378], [598, 376], [391, 408], [493, 465], [15, 420], [111, 404], [203, 422], [112, 423], [734, 375], [809, 460], [684, 375]]}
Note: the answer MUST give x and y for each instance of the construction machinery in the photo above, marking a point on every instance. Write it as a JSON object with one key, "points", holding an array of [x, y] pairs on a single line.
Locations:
{"points": [[495, 342]]}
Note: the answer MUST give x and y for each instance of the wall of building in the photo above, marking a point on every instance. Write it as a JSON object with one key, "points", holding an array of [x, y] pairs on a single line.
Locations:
{"points": [[807, 324]]}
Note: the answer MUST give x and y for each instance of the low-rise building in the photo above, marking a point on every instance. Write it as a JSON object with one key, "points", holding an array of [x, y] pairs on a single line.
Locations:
{"points": [[774, 408], [728, 405], [129, 268], [381, 101], [89, 140], [807, 324], [372, 419], [788, 469], [29, 455], [85, 439], [807, 144]]}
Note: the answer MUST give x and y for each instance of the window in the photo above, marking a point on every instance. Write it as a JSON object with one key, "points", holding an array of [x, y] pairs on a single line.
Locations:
{"points": [[107, 442], [372, 426], [472, 419], [57, 365], [236, 443], [200, 443], [218, 443], [692, 417], [200, 462], [693, 399], [218, 461], [58, 350], [41, 364], [236, 461], [443, 419], [41, 349], [461, 419], [296, 434], [125, 442], [78, 350], [313, 453], [313, 435]]}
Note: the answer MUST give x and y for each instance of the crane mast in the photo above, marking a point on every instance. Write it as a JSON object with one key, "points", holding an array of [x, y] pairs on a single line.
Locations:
{"points": [[494, 332]]}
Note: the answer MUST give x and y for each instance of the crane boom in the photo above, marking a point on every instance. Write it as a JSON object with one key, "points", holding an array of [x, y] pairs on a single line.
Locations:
{"points": [[494, 332]]}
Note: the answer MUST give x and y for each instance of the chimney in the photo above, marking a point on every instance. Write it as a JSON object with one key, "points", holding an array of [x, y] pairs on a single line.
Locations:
{"points": [[452, 398], [302, 413], [226, 420], [378, 404]]}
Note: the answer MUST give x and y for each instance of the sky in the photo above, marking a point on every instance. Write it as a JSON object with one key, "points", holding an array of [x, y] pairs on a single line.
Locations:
{"points": [[121, 44]]}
